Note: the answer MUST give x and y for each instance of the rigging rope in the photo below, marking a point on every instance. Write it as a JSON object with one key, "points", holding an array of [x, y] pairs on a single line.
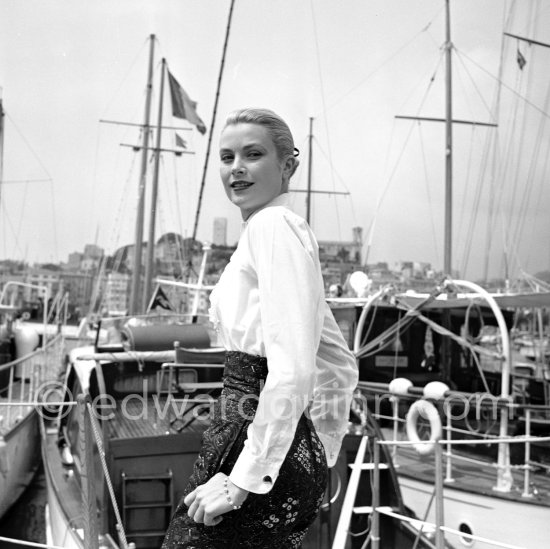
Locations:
{"points": [[382, 193], [6, 217], [386, 337], [514, 92], [473, 210], [496, 205], [431, 209], [531, 176], [414, 313], [48, 179], [323, 101], [386, 61], [101, 452]]}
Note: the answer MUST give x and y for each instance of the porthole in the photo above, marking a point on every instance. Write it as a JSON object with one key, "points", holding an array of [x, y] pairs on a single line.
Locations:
{"points": [[465, 528]]}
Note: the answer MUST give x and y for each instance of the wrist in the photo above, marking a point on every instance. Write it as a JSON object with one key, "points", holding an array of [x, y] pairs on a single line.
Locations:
{"points": [[234, 494]]}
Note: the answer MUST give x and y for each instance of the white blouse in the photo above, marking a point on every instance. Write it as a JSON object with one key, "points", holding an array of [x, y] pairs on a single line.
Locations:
{"points": [[270, 302]]}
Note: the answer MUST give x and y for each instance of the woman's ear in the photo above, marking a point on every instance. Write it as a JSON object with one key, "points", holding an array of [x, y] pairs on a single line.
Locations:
{"points": [[290, 165]]}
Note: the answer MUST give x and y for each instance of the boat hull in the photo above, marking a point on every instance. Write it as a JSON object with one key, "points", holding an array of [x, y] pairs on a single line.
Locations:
{"points": [[19, 460], [516, 523]]}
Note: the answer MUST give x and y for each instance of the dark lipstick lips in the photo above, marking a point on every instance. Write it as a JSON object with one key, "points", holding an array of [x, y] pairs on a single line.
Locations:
{"points": [[241, 184]]}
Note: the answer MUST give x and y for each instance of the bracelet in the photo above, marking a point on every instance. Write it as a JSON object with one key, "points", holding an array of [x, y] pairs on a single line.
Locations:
{"points": [[228, 497]]}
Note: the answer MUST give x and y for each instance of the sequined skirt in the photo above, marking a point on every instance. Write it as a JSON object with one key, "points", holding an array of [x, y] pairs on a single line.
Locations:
{"points": [[276, 520]]}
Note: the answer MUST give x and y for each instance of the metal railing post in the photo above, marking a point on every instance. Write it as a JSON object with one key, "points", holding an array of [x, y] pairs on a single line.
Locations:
{"points": [[395, 406], [375, 536], [527, 458], [449, 453], [439, 510]]}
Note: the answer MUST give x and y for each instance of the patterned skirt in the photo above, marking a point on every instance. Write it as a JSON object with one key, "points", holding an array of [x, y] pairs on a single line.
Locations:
{"points": [[276, 520]]}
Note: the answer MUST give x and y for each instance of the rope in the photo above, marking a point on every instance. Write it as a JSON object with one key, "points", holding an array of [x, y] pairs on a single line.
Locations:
{"points": [[325, 110], [29, 543], [43, 167], [460, 340], [414, 313], [430, 203], [402, 324], [101, 452], [390, 177], [386, 61]]}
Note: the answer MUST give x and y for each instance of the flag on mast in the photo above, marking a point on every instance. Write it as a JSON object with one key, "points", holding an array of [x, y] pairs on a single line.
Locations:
{"points": [[521, 60], [160, 299], [183, 106], [180, 142]]}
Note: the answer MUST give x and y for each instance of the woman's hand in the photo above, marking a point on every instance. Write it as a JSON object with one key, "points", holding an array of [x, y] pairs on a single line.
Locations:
{"points": [[209, 501]]}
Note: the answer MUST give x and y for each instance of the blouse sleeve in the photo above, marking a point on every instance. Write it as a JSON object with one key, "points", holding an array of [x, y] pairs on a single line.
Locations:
{"points": [[291, 293], [337, 377]]}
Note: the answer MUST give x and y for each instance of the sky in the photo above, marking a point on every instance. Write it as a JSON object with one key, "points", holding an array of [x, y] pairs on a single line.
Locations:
{"points": [[66, 66]]}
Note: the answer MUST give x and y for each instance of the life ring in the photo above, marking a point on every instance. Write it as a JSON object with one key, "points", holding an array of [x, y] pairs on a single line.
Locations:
{"points": [[428, 411], [26, 315]]}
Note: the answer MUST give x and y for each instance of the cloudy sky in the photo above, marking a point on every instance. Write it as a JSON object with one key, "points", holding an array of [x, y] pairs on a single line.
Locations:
{"points": [[351, 65]]}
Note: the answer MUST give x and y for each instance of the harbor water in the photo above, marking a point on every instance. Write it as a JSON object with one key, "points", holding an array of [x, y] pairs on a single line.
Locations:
{"points": [[26, 519]]}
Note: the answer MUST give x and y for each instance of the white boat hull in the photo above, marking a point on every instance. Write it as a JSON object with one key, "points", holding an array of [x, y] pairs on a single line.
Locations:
{"points": [[59, 532], [19, 460], [511, 522]]}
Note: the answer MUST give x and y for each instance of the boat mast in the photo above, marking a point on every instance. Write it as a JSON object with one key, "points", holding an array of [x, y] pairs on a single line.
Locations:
{"points": [[208, 147], [448, 120], [309, 191], [149, 264], [135, 305], [447, 262]]}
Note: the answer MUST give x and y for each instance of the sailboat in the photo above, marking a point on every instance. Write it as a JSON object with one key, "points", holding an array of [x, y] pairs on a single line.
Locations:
{"points": [[468, 428], [120, 450], [154, 371], [30, 363]]}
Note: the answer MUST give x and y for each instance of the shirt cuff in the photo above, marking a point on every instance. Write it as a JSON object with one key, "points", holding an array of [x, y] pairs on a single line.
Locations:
{"points": [[252, 474]]}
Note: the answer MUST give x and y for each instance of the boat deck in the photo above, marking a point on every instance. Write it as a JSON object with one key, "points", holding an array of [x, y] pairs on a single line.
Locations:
{"points": [[477, 477], [140, 418]]}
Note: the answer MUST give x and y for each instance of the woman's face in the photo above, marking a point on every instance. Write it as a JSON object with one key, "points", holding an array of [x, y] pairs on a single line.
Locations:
{"points": [[251, 171]]}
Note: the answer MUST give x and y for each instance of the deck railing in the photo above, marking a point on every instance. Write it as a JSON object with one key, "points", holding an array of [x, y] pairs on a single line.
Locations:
{"points": [[27, 377], [527, 414], [438, 527]]}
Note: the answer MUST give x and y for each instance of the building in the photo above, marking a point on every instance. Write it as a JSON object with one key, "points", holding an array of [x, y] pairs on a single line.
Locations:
{"points": [[74, 261], [90, 260], [79, 286], [340, 258], [117, 292], [91, 251], [338, 251], [381, 275], [170, 254]]}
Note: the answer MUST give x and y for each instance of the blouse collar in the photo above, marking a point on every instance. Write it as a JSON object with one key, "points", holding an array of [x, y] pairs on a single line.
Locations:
{"points": [[280, 200]]}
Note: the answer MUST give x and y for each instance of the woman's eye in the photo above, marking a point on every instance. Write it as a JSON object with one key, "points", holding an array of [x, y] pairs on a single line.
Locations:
{"points": [[254, 154], [226, 158]]}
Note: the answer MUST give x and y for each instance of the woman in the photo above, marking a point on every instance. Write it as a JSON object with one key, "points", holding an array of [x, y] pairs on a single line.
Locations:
{"points": [[289, 376]]}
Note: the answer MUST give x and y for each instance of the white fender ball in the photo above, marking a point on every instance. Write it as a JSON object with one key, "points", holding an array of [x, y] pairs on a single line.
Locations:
{"points": [[400, 386], [435, 390]]}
